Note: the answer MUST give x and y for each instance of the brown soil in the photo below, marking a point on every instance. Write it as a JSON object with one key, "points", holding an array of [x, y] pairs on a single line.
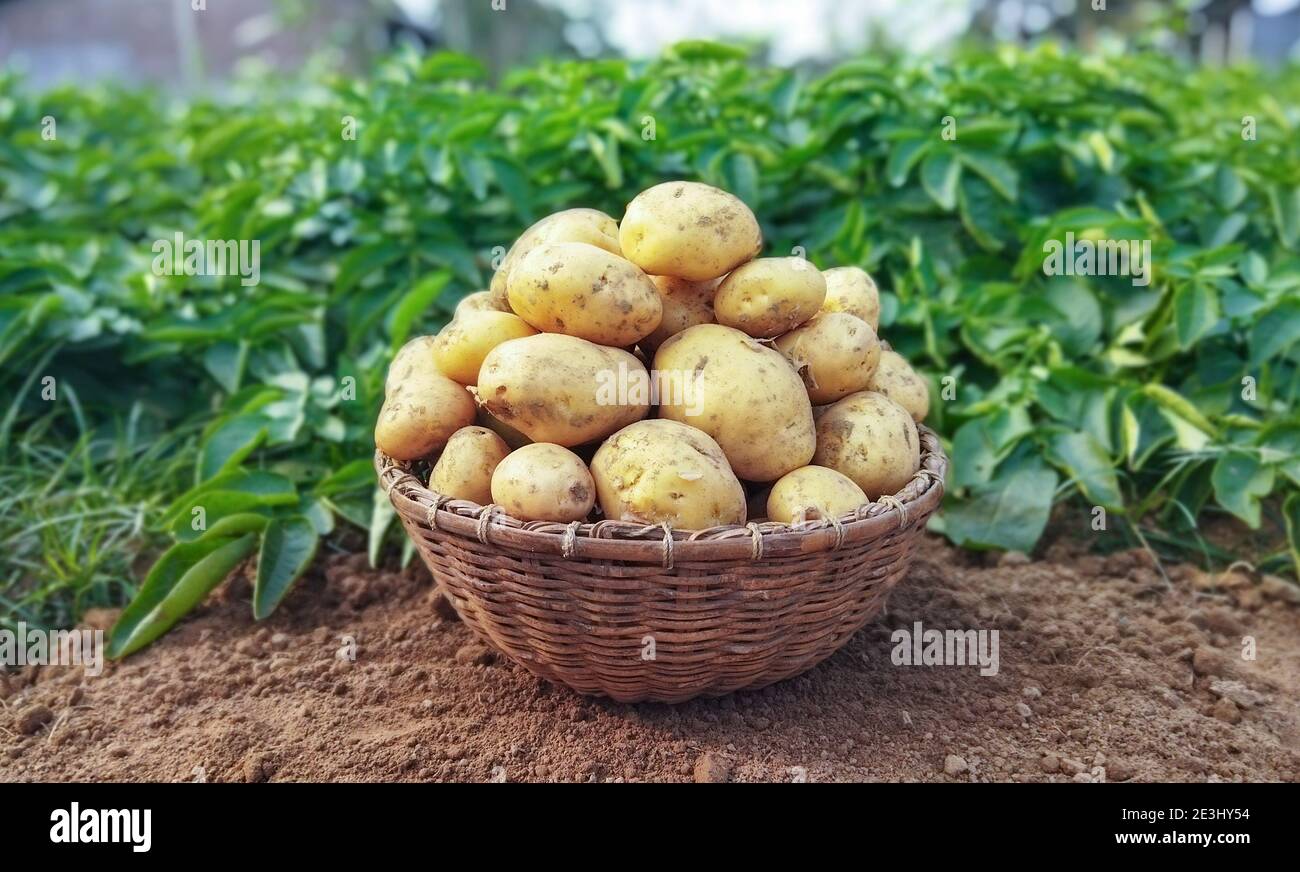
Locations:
{"points": [[1108, 672]]}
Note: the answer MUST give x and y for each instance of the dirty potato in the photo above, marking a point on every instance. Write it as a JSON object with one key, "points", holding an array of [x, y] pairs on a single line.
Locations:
{"points": [[835, 354], [584, 291], [421, 412], [769, 296], [743, 394], [872, 440], [665, 472], [849, 289], [685, 304], [464, 469], [572, 225], [896, 379], [813, 493], [479, 301], [688, 230], [544, 482], [562, 389], [460, 347], [416, 354]]}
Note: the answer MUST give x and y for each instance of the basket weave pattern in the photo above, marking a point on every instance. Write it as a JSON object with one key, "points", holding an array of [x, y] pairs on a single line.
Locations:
{"points": [[645, 613]]}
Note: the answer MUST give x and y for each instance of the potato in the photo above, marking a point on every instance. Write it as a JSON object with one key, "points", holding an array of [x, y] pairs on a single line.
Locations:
{"points": [[872, 440], [769, 296], [835, 354], [896, 379], [562, 389], [464, 469], [849, 289], [421, 412], [661, 471], [685, 304], [743, 394], [461, 346], [479, 301], [510, 435], [572, 225], [417, 353], [811, 493], [584, 291], [688, 230], [544, 482]]}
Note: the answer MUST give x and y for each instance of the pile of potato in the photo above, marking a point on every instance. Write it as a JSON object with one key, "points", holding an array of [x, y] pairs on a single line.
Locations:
{"points": [[800, 412]]}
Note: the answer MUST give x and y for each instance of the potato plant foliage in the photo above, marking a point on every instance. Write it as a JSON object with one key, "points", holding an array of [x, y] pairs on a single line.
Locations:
{"points": [[378, 203]]}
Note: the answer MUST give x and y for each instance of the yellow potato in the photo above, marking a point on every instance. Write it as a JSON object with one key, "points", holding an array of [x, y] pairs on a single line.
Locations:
{"points": [[769, 296], [544, 482], [562, 389], [661, 471], [849, 289], [685, 304], [416, 354], [584, 291], [835, 354], [872, 440], [688, 230], [461, 346], [743, 394], [572, 225], [896, 379], [421, 412], [464, 469], [479, 301], [510, 435], [812, 493]]}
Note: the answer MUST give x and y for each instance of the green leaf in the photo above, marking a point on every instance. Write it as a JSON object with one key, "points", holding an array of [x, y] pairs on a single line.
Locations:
{"points": [[1274, 331], [903, 156], [1008, 513], [183, 577], [1085, 460], [940, 173], [381, 518], [415, 303], [1196, 311], [1291, 516], [1179, 406], [1240, 481], [1285, 205], [288, 546], [229, 444], [1000, 175]]}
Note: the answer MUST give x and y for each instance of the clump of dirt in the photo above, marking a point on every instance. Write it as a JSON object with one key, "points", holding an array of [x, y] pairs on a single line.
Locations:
{"points": [[1108, 670]]}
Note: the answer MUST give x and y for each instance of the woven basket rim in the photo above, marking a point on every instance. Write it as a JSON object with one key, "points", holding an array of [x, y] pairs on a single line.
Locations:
{"points": [[642, 543]]}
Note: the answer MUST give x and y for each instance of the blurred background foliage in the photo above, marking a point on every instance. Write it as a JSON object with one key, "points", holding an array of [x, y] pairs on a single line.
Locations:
{"points": [[134, 397]]}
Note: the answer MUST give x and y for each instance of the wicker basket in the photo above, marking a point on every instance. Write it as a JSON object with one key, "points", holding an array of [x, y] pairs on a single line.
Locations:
{"points": [[645, 613]]}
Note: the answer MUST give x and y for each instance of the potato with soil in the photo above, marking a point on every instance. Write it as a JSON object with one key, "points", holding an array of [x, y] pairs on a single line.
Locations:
{"points": [[464, 469], [849, 289], [584, 291], [421, 411], [872, 440], [479, 301], [417, 353], [743, 394], [572, 225], [685, 304], [460, 347], [769, 296], [664, 472], [896, 379], [813, 493], [688, 230], [544, 482], [562, 389], [835, 354]]}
